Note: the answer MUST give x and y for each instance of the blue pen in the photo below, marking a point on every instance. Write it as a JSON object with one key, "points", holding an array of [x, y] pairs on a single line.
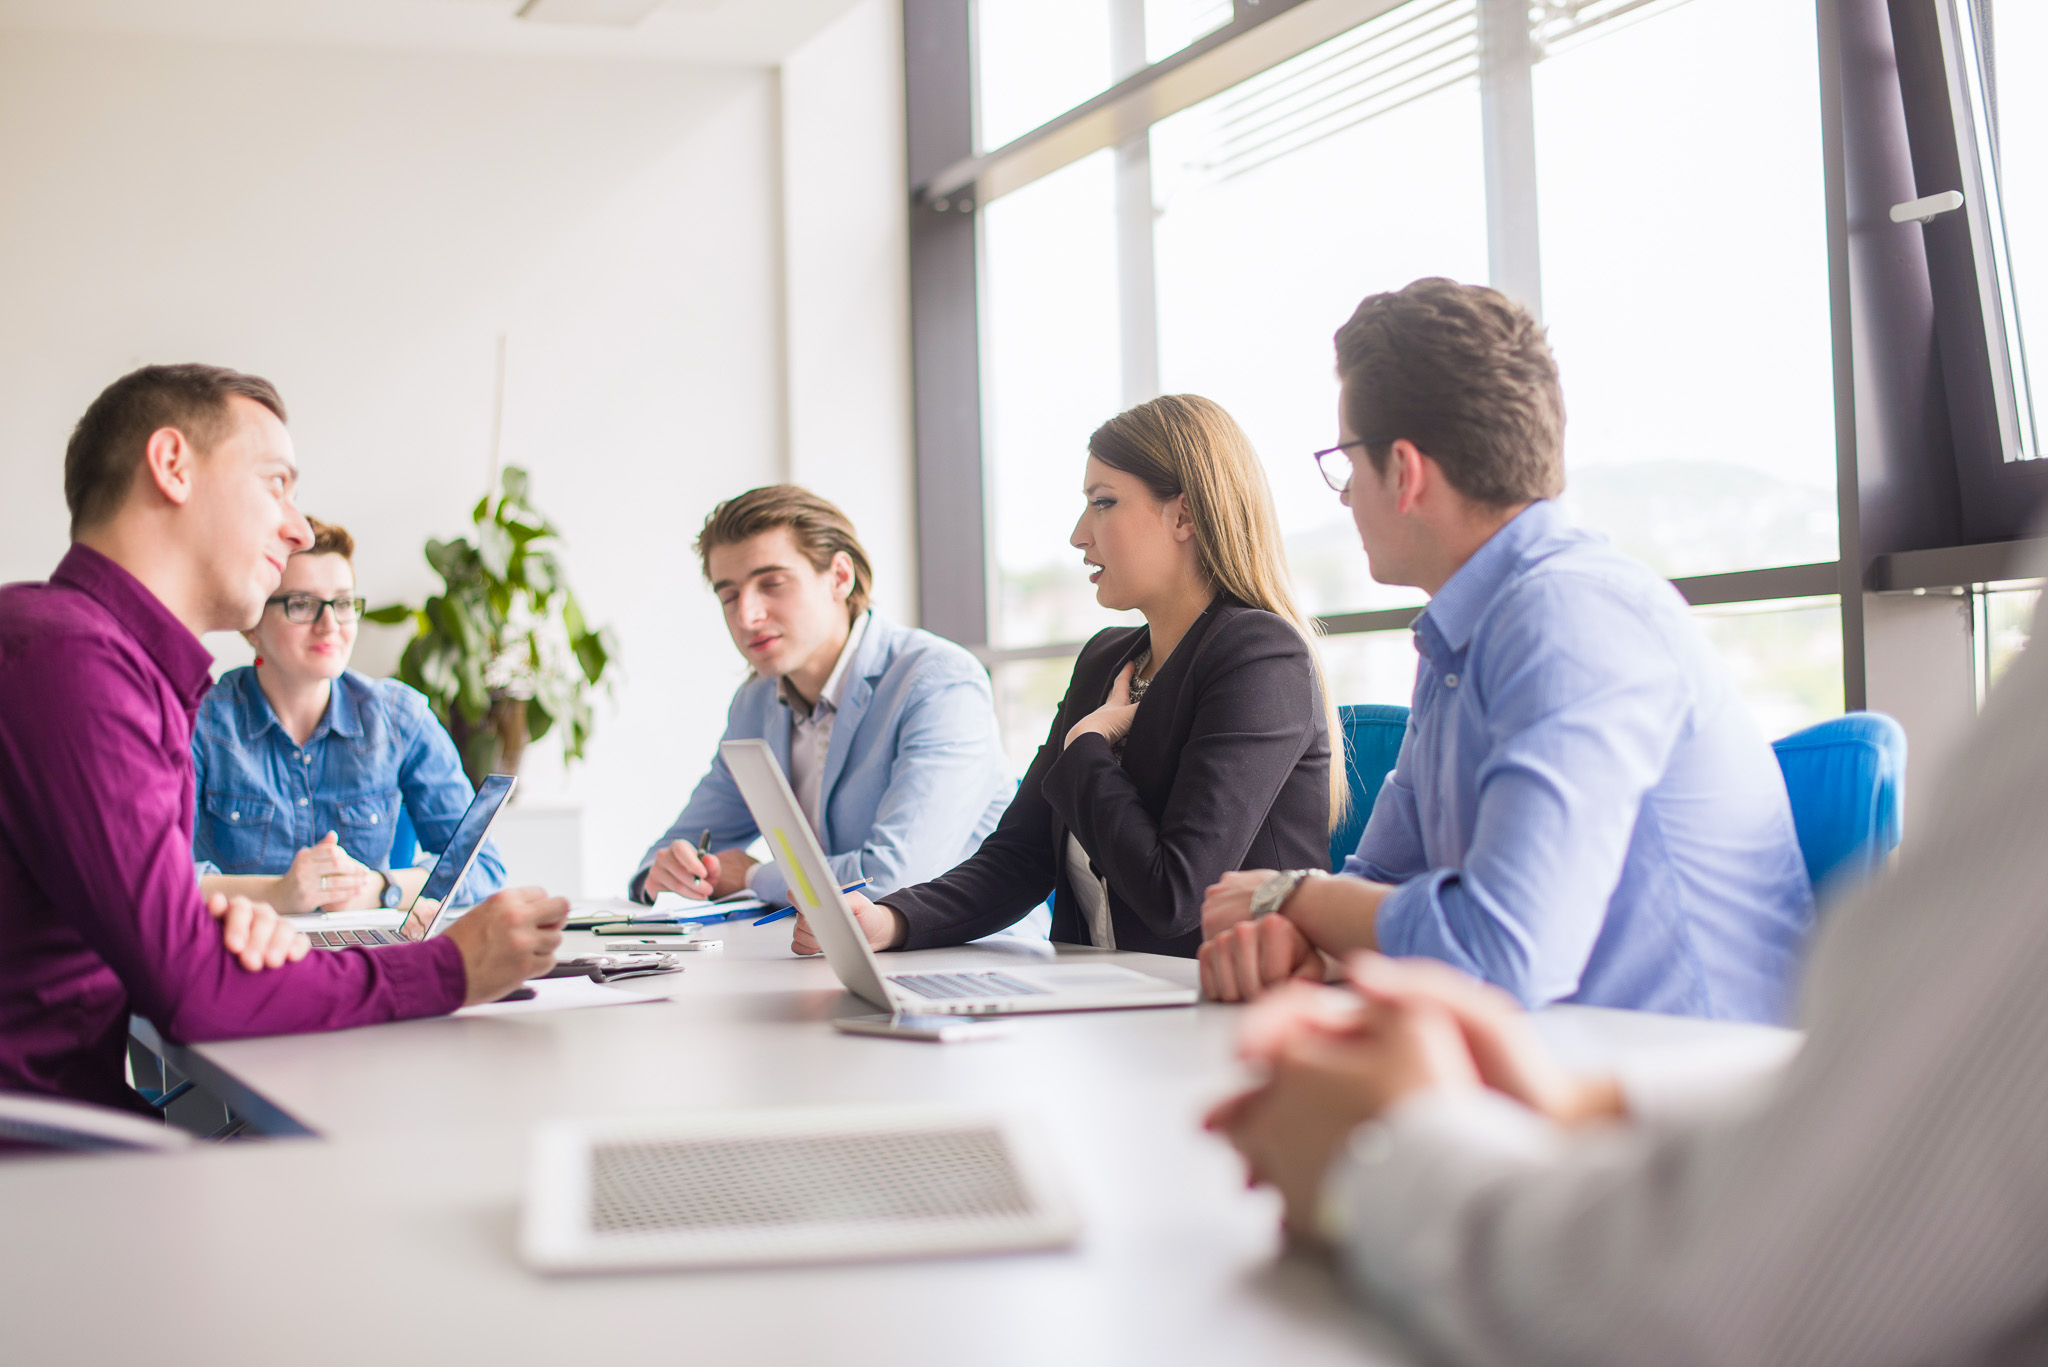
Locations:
{"points": [[791, 911]]}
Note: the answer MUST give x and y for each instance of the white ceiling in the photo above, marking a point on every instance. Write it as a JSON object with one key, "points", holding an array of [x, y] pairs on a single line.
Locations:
{"points": [[752, 32]]}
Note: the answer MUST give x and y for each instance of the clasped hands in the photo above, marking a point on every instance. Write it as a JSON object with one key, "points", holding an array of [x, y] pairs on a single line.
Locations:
{"points": [[1242, 958], [1335, 1059]]}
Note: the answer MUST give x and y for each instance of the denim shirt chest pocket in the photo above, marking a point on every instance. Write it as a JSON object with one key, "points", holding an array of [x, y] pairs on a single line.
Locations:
{"points": [[236, 829], [365, 823]]}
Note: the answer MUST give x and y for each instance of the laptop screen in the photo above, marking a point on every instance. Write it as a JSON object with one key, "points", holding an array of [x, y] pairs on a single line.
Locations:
{"points": [[456, 859]]}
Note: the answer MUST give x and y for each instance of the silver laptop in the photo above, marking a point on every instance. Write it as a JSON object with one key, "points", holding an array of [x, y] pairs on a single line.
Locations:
{"points": [[427, 915], [1013, 989]]}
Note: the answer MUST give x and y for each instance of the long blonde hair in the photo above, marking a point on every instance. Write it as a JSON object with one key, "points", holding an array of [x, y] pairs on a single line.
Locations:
{"points": [[1183, 444]]}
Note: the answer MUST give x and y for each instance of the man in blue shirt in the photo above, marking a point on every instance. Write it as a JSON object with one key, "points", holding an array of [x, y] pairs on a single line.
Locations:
{"points": [[1582, 809], [887, 734]]}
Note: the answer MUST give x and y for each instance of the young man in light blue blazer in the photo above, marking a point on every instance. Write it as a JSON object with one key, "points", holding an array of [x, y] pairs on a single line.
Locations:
{"points": [[887, 733]]}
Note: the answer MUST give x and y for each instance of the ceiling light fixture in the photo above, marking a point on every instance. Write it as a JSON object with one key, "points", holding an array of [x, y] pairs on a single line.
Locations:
{"points": [[594, 13]]}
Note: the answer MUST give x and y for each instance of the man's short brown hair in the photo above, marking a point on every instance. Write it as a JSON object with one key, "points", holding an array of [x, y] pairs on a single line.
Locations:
{"points": [[329, 539], [106, 447], [1463, 372], [821, 531]]}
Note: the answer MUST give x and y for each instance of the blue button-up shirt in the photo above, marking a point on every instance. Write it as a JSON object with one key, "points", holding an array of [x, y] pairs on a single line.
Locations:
{"points": [[263, 797], [1583, 809]]}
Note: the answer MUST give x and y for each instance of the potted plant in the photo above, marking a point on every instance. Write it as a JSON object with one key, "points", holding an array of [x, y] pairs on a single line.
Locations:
{"points": [[503, 652]]}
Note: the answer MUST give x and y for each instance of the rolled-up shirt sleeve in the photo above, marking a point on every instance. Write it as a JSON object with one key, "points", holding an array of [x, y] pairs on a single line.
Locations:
{"points": [[1390, 847], [1580, 727]]}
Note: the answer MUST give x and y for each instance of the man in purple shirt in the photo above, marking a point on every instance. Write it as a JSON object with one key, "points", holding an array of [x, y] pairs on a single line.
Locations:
{"points": [[180, 483]]}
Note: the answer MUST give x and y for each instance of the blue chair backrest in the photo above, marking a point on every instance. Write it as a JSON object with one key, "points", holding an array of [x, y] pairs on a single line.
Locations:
{"points": [[1372, 740], [1847, 782], [405, 841]]}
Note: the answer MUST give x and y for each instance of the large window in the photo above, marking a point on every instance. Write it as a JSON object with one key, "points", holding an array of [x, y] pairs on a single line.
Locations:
{"points": [[1049, 379], [1192, 195], [2017, 105], [1280, 204], [1685, 284], [1038, 58], [1695, 347]]}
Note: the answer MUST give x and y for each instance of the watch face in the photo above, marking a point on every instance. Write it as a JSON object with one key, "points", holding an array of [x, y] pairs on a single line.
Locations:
{"points": [[393, 895]]}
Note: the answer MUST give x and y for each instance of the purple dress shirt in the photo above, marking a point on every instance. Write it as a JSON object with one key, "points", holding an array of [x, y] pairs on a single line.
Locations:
{"points": [[100, 913]]}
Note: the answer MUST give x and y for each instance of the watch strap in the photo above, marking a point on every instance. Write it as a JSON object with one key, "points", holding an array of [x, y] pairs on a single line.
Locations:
{"points": [[1273, 892]]}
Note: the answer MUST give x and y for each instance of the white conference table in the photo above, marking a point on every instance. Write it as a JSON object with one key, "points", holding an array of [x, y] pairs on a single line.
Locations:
{"points": [[389, 1238]]}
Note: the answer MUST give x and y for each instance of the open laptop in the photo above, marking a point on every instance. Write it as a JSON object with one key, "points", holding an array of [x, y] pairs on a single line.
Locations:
{"points": [[1013, 989], [427, 914]]}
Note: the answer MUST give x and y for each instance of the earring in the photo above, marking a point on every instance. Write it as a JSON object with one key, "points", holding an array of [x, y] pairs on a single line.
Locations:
{"points": [[259, 662]]}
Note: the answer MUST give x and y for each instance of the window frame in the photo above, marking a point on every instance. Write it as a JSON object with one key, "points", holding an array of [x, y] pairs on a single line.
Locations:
{"points": [[1926, 497]]}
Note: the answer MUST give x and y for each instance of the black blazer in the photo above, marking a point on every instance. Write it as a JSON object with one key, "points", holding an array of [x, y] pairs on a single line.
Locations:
{"points": [[1227, 766]]}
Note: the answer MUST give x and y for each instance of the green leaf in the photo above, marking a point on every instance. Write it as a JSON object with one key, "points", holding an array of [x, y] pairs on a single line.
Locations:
{"points": [[453, 560], [493, 549], [591, 655], [461, 634]]}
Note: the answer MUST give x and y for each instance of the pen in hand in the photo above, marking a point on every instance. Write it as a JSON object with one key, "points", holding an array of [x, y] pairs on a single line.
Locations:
{"points": [[791, 911], [703, 847]]}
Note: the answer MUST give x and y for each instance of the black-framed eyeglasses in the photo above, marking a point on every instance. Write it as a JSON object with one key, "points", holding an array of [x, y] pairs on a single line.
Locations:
{"points": [[305, 608], [1335, 464]]}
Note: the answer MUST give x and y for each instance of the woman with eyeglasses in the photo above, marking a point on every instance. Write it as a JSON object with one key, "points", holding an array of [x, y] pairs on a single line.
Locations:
{"points": [[303, 764]]}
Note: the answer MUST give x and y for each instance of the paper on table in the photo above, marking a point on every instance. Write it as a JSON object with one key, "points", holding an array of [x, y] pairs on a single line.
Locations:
{"points": [[598, 906], [563, 994], [669, 906]]}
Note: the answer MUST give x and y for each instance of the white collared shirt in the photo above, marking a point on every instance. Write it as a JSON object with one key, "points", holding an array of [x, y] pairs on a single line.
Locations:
{"points": [[1093, 890], [810, 733]]}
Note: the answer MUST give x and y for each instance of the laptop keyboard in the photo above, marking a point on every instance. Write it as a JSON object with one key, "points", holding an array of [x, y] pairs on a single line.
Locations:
{"points": [[956, 985], [349, 939]]}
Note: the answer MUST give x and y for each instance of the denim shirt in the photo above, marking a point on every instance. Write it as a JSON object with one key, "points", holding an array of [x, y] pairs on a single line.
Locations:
{"points": [[1582, 809], [262, 798]]}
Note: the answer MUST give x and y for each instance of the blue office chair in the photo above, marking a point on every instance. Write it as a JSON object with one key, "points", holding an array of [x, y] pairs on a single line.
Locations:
{"points": [[405, 841], [1847, 782], [1372, 740]]}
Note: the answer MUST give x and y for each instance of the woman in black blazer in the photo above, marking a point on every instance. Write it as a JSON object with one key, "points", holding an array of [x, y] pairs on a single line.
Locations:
{"points": [[1188, 747]]}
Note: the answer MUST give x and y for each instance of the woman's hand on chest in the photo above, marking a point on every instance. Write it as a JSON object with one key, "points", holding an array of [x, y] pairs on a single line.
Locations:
{"points": [[1112, 720]]}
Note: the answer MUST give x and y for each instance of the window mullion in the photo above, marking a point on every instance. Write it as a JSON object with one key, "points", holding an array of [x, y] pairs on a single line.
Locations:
{"points": [[1507, 113]]}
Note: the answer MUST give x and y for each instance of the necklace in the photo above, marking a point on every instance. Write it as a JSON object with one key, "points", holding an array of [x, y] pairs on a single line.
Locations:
{"points": [[1139, 683]]}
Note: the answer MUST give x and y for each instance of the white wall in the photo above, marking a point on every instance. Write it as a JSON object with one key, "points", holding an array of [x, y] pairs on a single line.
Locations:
{"points": [[360, 227], [846, 243]]}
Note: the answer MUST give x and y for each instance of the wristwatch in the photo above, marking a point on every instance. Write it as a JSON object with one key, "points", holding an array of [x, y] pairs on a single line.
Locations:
{"points": [[392, 894], [1271, 894]]}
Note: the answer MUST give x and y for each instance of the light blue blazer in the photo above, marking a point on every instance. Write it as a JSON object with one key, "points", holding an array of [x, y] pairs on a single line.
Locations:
{"points": [[914, 778]]}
